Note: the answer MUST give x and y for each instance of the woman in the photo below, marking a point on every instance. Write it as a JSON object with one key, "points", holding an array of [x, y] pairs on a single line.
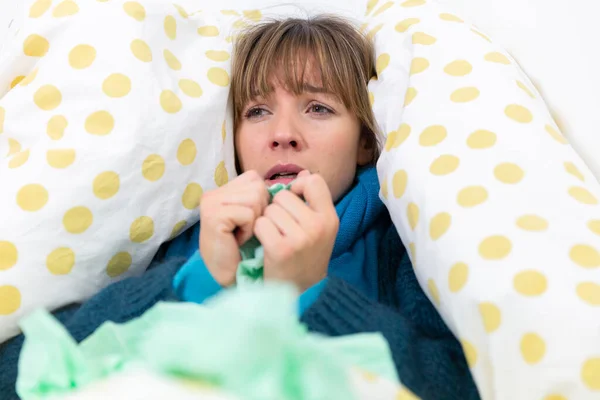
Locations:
{"points": [[301, 116]]}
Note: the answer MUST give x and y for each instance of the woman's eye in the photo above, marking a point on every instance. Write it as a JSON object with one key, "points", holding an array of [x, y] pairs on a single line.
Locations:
{"points": [[255, 112], [319, 109]]}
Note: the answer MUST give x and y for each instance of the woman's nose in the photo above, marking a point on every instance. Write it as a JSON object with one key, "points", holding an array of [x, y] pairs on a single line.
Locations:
{"points": [[286, 133]]}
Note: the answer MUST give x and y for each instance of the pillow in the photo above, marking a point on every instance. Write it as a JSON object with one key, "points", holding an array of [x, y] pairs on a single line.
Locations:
{"points": [[112, 123], [499, 213]]}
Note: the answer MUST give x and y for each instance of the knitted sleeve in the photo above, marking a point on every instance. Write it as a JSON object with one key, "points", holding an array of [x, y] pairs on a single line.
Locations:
{"points": [[432, 366]]}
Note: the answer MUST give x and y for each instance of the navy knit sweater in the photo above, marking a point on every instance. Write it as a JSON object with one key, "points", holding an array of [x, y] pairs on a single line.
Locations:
{"points": [[428, 358]]}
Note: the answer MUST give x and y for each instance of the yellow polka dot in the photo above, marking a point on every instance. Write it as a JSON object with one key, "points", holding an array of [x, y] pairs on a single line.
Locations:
{"points": [[405, 394], [464, 95], [153, 167], [403, 26], [118, 264], [230, 12], [135, 10], [412, 247], [556, 135], [191, 196], [48, 97], [481, 35], [418, 65], [432, 135], [434, 292], [582, 195], [532, 223], [116, 85], [181, 11], [481, 139], [16, 81], [29, 78], [65, 9], [141, 50], [412, 213], [190, 88], [458, 276], [32, 197], [444, 165], [78, 220], [508, 173], [587, 291], [141, 229], [399, 182], [470, 353], [252, 15], [10, 299], [171, 60], [13, 146], [413, 3], [525, 89], [594, 226], [382, 62], [223, 131], [518, 113], [186, 153], [411, 93], [590, 373], [450, 18], [18, 160], [458, 68], [370, 6], [495, 247], [423, 38], [106, 185], [396, 138], [530, 283], [99, 123], [221, 176], [61, 261], [439, 225], [240, 24], [82, 56], [217, 55], [170, 26], [533, 348], [56, 127], [373, 32], [384, 188], [585, 256], [2, 116], [496, 57], [208, 31], [555, 397], [371, 98], [177, 229], [60, 158], [170, 102], [383, 8], [39, 8], [491, 316], [218, 76], [35, 46], [572, 169], [8, 255]]}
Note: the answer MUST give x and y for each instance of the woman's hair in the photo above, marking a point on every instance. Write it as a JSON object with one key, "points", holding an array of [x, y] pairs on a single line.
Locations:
{"points": [[342, 55]]}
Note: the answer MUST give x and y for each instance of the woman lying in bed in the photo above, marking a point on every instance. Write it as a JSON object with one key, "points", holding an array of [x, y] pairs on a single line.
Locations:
{"points": [[301, 116]]}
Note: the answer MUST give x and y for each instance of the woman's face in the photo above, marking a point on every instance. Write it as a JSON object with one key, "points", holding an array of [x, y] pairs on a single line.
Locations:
{"points": [[282, 134]]}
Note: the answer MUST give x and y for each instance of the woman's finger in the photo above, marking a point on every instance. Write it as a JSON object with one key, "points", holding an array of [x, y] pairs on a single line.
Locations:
{"points": [[315, 191], [283, 221], [237, 219]]}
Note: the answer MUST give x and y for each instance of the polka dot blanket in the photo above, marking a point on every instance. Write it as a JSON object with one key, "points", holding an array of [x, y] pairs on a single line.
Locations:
{"points": [[112, 123], [500, 214]]}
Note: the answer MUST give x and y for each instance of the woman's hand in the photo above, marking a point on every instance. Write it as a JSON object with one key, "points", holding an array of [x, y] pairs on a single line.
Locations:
{"points": [[298, 237], [227, 216]]}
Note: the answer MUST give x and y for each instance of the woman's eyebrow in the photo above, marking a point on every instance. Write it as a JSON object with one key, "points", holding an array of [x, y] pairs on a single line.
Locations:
{"points": [[306, 87]]}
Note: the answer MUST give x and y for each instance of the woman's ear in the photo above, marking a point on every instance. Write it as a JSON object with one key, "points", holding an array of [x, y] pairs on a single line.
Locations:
{"points": [[365, 149]]}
